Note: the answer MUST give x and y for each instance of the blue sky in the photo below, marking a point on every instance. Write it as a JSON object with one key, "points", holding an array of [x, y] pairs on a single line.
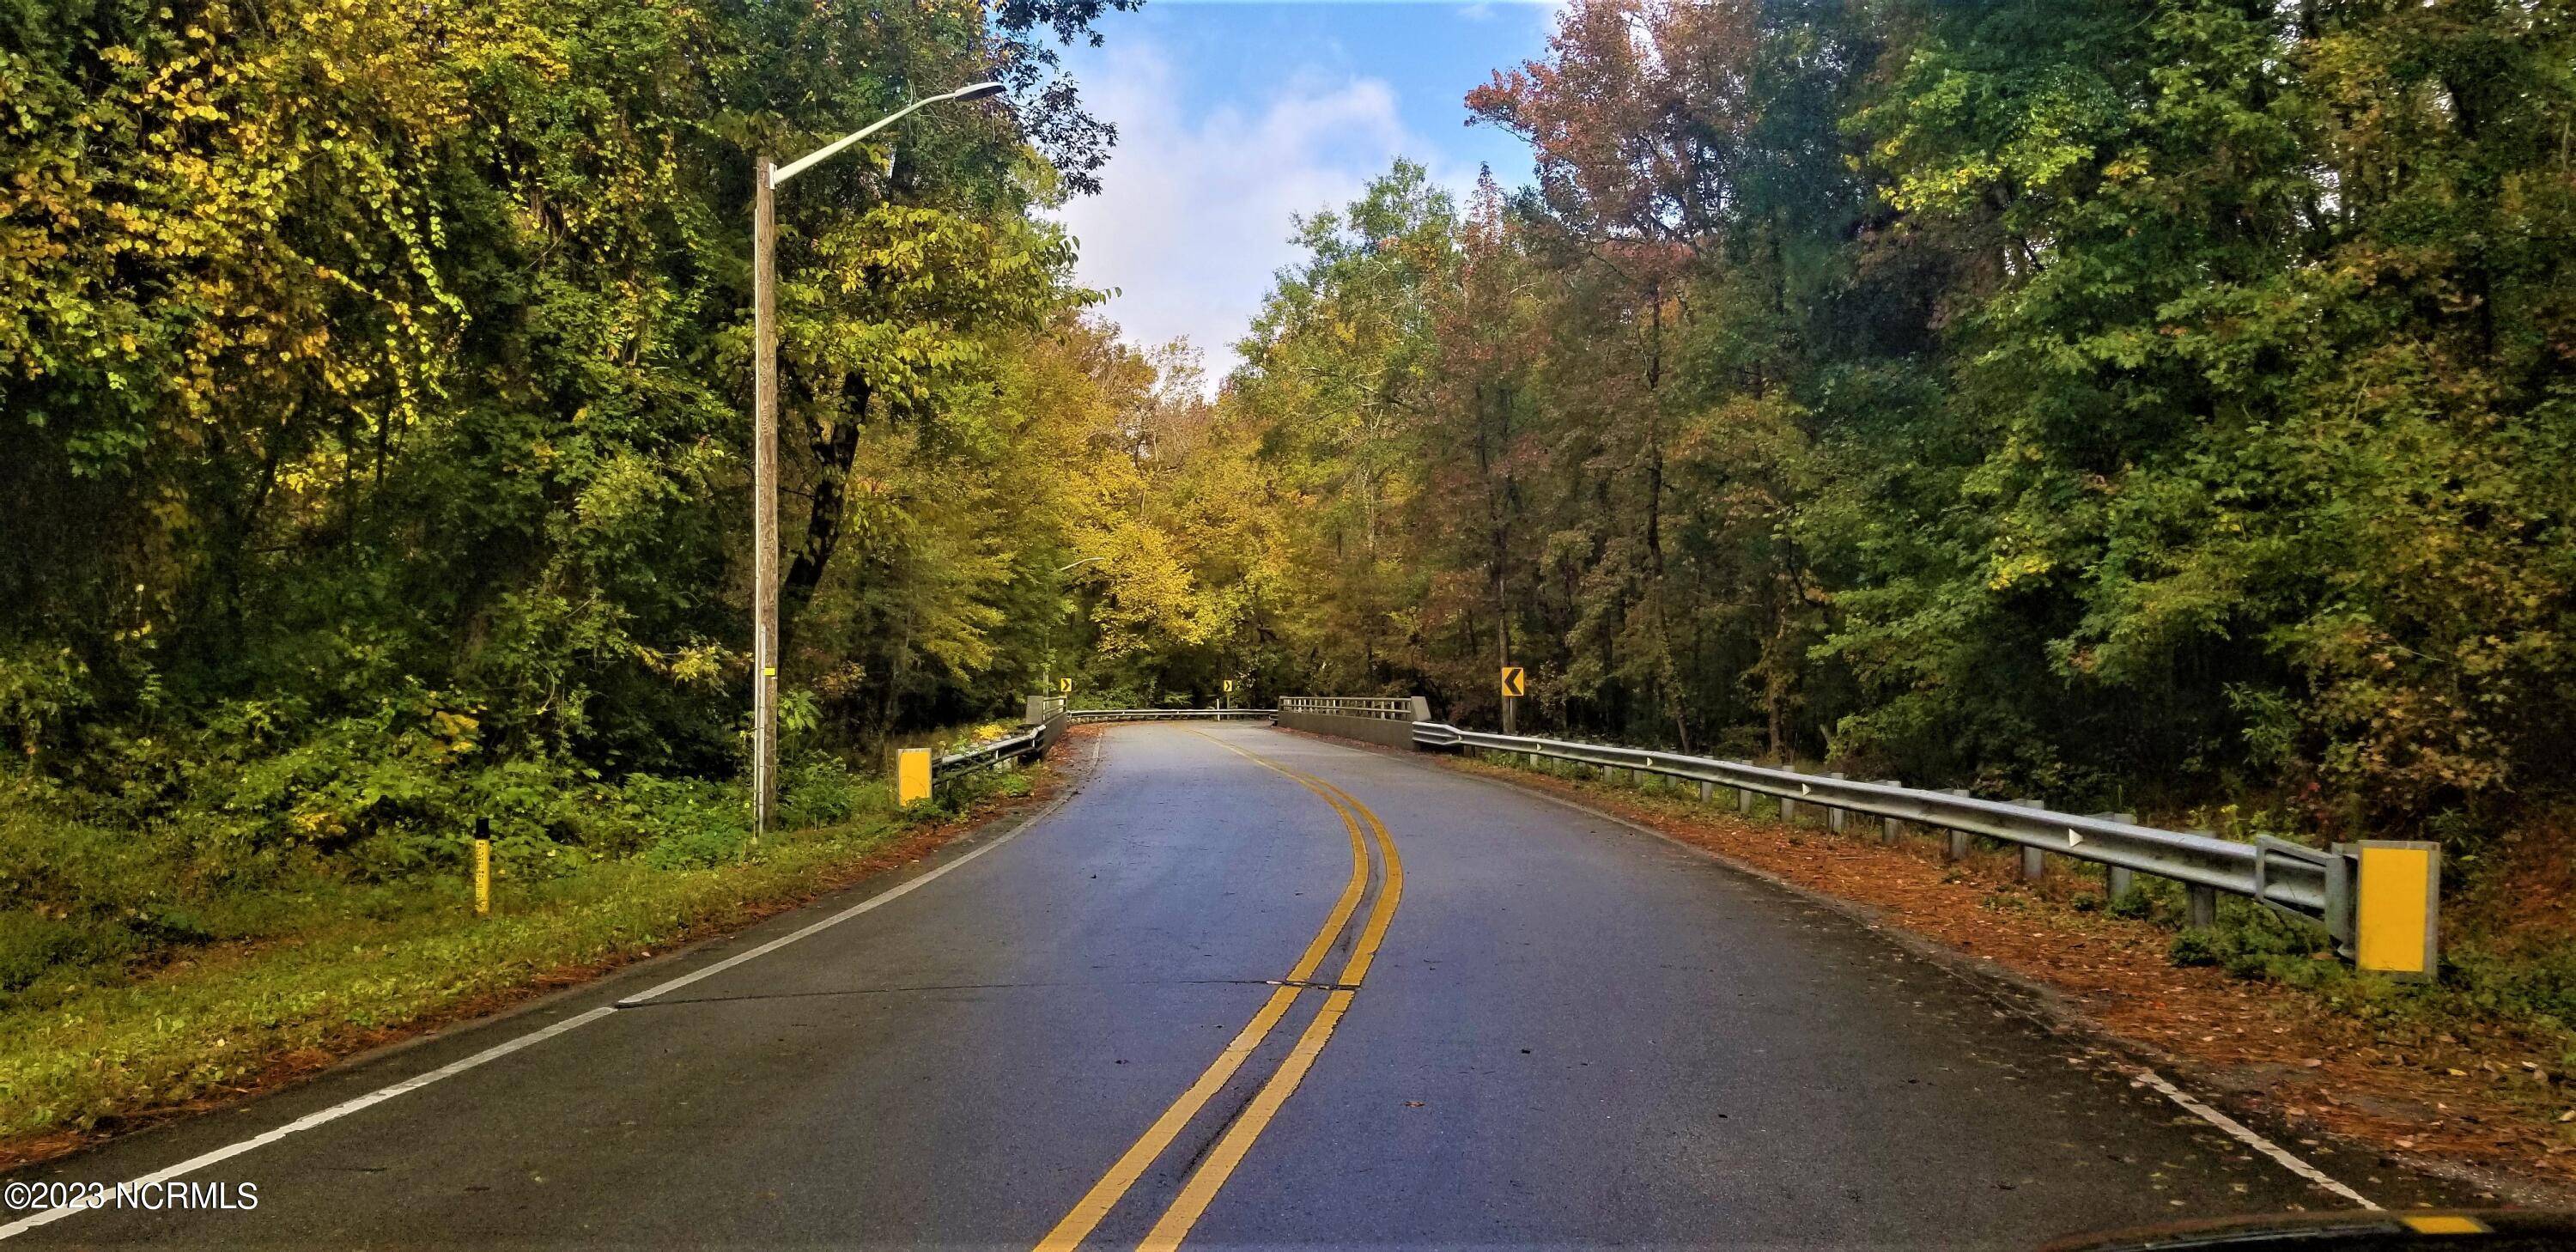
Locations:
{"points": [[1234, 116]]}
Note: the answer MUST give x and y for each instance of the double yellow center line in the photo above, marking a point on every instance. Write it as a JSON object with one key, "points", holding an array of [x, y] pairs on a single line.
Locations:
{"points": [[1220, 1163]]}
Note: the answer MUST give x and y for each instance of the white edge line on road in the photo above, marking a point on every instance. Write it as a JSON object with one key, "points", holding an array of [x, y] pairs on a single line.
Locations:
{"points": [[532, 1038], [2235, 1129], [311, 1120]]}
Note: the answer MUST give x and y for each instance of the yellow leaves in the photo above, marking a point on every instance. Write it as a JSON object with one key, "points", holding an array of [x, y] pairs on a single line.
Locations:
{"points": [[454, 732], [2015, 567]]}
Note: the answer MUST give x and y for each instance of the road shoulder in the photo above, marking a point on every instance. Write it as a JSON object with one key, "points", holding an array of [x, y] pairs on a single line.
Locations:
{"points": [[2305, 1074], [536, 988]]}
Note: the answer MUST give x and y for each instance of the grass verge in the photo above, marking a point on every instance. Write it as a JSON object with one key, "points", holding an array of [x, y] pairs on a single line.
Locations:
{"points": [[362, 966]]}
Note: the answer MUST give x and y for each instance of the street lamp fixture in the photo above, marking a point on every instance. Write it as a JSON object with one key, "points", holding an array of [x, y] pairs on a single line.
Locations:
{"points": [[766, 179], [779, 174]]}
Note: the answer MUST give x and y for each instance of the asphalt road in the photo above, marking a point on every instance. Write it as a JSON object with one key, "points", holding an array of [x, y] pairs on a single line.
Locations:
{"points": [[1555, 1030]]}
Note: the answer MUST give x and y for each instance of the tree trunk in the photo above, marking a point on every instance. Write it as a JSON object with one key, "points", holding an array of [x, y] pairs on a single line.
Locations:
{"points": [[836, 448]]}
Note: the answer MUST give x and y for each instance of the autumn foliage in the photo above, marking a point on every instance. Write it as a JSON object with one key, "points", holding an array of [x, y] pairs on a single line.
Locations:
{"points": [[2096, 399]]}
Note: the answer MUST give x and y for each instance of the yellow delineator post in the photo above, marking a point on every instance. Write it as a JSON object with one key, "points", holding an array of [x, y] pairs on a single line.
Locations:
{"points": [[911, 776], [482, 867], [2397, 907]]}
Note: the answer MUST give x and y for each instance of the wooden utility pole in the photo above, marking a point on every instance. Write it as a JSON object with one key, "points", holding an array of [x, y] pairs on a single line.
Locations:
{"points": [[764, 497]]}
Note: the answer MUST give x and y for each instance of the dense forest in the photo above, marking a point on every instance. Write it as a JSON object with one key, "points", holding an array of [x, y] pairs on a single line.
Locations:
{"points": [[2115, 399], [2108, 401], [375, 380]]}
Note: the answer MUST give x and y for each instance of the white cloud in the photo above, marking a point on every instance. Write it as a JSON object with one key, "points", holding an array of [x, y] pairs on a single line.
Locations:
{"points": [[1194, 214]]}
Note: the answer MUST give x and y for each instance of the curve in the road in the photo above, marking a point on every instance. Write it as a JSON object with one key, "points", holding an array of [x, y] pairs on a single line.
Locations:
{"points": [[1580, 1036], [1212, 1173]]}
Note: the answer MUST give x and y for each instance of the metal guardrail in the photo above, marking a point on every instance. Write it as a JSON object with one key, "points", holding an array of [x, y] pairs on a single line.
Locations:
{"points": [[1165, 715], [2302, 882], [2378, 899], [1027, 743], [1389, 708]]}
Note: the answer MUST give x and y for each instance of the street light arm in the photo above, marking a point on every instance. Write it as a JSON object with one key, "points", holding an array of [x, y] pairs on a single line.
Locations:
{"points": [[779, 174]]}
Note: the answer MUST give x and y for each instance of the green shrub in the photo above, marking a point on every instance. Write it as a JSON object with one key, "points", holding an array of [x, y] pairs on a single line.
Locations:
{"points": [[822, 791], [2192, 947], [32, 944], [2251, 941], [697, 849], [41, 688]]}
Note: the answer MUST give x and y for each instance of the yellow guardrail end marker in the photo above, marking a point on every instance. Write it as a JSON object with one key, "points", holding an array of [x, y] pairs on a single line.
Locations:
{"points": [[2396, 907], [911, 776]]}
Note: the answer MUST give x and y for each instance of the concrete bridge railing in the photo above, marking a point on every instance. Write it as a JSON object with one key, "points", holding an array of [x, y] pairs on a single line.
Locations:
{"points": [[1387, 720]]}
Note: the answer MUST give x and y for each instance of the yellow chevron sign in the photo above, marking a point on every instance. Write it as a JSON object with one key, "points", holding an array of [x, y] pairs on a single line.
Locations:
{"points": [[1514, 682]]}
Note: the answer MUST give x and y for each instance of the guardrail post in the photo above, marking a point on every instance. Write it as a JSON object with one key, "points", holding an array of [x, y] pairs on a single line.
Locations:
{"points": [[1835, 818], [2201, 903], [1891, 829], [1743, 802], [1957, 847], [1788, 811], [2117, 880], [1706, 789], [2034, 863], [911, 776]]}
